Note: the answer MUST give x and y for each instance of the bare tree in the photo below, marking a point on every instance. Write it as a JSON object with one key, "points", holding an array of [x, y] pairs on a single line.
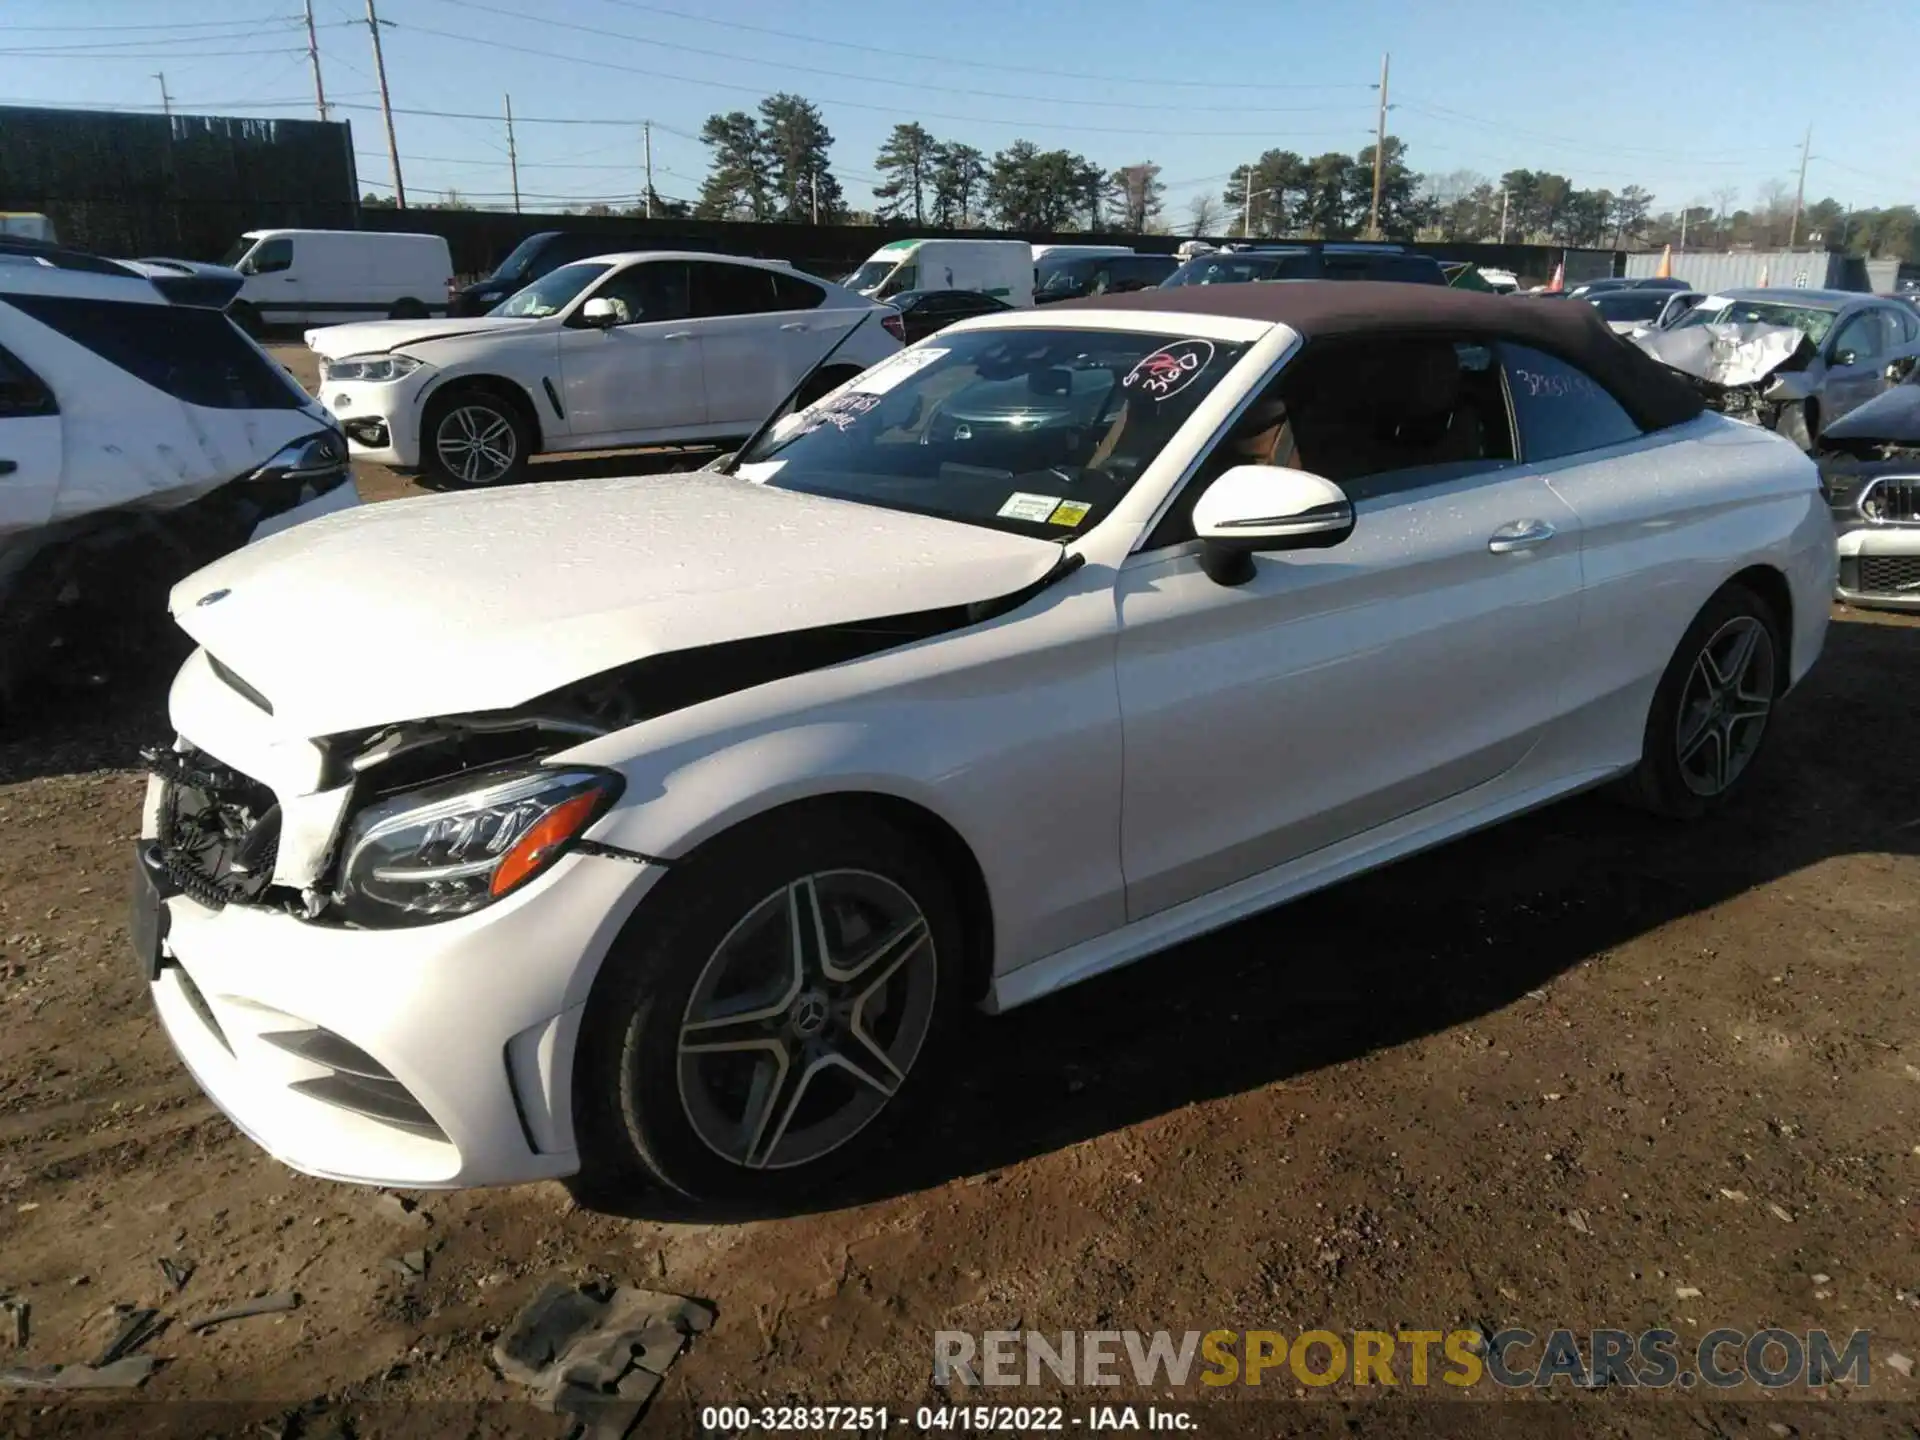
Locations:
{"points": [[1203, 213]]}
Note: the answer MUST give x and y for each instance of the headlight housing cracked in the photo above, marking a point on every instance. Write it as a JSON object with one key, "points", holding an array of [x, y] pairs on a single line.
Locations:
{"points": [[456, 847], [375, 369]]}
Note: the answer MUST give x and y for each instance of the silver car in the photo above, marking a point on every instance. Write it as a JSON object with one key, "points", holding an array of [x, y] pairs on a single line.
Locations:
{"points": [[1854, 346]]}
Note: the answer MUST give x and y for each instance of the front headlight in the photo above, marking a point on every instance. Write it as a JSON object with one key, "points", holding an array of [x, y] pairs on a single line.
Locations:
{"points": [[376, 369], [321, 454], [453, 848]]}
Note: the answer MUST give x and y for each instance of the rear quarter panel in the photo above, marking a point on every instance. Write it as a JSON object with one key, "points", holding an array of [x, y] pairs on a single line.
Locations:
{"points": [[1667, 522]]}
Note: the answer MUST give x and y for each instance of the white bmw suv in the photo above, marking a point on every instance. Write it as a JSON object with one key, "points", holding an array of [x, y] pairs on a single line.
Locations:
{"points": [[619, 351]]}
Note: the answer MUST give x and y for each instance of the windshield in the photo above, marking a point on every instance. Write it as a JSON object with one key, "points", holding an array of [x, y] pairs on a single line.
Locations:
{"points": [[869, 275], [238, 252], [1037, 432], [1230, 269], [516, 263], [1810, 322], [551, 293]]}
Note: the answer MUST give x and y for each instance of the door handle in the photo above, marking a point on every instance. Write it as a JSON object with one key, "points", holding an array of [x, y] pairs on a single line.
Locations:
{"points": [[795, 326], [678, 335], [1519, 535]]}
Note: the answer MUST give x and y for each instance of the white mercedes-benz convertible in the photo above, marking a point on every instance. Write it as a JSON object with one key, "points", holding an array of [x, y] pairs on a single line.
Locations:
{"points": [[659, 829]]}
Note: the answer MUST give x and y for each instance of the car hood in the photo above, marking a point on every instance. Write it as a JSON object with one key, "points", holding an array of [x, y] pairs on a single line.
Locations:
{"points": [[376, 337], [1893, 417], [484, 600]]}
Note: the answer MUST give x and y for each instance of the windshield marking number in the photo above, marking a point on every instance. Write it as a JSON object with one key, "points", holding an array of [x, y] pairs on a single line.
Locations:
{"points": [[1170, 369]]}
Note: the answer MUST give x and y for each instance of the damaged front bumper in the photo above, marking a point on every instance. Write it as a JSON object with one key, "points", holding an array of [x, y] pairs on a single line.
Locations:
{"points": [[434, 1056]]}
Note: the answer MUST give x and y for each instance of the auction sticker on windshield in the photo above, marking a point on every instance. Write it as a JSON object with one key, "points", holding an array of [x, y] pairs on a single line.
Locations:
{"points": [[1022, 506], [1170, 369], [894, 371], [1069, 512]]}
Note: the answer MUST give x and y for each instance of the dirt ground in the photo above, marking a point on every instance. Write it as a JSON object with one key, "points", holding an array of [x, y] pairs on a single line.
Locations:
{"points": [[1585, 1070]]}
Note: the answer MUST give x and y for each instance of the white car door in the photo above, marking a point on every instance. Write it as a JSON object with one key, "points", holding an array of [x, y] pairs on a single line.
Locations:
{"points": [[30, 448], [644, 376], [754, 348], [1343, 688]]}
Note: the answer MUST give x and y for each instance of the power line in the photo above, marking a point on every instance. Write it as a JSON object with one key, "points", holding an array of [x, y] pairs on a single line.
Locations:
{"points": [[761, 90], [1443, 113], [195, 58], [132, 46], [792, 66], [951, 60], [166, 25]]}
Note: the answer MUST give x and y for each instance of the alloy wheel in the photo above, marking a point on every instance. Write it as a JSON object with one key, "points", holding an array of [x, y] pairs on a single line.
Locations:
{"points": [[1725, 706], [806, 1019], [476, 444]]}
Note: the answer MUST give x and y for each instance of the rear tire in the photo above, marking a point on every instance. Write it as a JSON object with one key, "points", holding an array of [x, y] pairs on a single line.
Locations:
{"points": [[832, 945], [1712, 710], [475, 436], [407, 310]]}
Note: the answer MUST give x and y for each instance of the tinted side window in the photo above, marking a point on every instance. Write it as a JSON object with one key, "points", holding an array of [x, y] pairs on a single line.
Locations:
{"points": [[271, 257], [22, 393], [1560, 409], [194, 355], [731, 290], [644, 294], [790, 292]]}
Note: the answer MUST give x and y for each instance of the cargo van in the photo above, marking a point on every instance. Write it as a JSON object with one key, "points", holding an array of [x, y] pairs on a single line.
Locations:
{"points": [[1000, 268], [296, 277]]}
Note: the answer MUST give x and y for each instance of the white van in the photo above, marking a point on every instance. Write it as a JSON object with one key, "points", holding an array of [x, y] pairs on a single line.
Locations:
{"points": [[297, 277], [1000, 268], [27, 225], [1060, 252]]}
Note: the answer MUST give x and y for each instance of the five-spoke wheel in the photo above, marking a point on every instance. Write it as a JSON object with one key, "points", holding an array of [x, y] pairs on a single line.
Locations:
{"points": [[771, 1011], [476, 438]]}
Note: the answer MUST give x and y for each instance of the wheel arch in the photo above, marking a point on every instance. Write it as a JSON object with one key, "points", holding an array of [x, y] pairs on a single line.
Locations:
{"points": [[488, 381], [1769, 583], [919, 821]]}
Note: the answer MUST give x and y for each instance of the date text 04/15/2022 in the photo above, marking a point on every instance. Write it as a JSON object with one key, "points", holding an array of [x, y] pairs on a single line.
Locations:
{"points": [[940, 1419]]}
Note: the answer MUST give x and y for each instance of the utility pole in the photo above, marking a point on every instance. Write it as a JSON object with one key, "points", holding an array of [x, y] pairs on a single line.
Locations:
{"points": [[813, 181], [166, 100], [1800, 191], [386, 108], [1379, 153], [313, 56], [646, 136], [1686, 213], [513, 157], [1246, 217], [1503, 214]]}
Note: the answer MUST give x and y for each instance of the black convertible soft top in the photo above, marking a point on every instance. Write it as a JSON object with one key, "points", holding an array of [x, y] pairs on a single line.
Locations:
{"points": [[1654, 395]]}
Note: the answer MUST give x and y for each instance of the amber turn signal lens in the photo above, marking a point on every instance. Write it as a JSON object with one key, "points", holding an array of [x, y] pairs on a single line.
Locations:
{"points": [[533, 850]]}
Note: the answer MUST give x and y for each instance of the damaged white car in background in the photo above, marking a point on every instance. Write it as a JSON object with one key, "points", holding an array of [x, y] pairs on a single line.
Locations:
{"points": [[141, 436], [1790, 360]]}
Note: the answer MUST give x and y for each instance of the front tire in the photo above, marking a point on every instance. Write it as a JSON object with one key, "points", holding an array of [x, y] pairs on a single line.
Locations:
{"points": [[475, 437], [408, 309], [774, 1011], [1713, 708]]}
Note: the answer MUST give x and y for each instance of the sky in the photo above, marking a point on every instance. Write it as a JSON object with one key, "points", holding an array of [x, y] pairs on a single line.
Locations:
{"points": [[1688, 98]]}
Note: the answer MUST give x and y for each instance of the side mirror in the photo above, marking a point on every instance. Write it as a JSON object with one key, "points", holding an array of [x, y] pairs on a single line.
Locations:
{"points": [[1252, 508], [1846, 357], [599, 313]]}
